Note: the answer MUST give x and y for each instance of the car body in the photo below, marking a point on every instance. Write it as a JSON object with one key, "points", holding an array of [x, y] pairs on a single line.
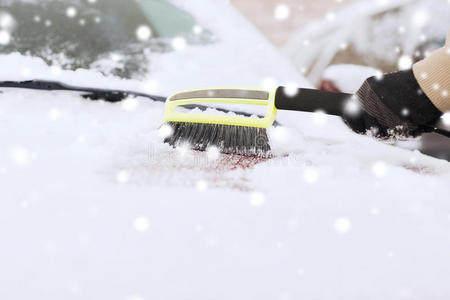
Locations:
{"points": [[93, 204]]}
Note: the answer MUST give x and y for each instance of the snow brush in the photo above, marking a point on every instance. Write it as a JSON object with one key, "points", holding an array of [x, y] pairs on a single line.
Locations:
{"points": [[239, 134], [242, 134]]}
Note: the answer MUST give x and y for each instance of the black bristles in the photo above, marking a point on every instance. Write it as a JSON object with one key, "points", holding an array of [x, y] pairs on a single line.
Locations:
{"points": [[240, 140]]}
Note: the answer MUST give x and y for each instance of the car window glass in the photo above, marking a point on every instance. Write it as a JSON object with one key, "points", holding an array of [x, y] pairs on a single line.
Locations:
{"points": [[76, 34]]}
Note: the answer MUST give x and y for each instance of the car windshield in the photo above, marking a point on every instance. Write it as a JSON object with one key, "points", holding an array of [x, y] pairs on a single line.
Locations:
{"points": [[114, 36]]}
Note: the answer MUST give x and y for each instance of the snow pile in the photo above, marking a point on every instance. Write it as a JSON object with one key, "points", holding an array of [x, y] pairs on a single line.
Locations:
{"points": [[349, 78]]}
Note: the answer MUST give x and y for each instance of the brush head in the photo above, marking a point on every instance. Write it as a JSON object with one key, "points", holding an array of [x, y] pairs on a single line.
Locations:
{"points": [[231, 132], [240, 140]]}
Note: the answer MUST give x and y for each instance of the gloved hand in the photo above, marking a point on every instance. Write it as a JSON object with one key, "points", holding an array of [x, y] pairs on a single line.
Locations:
{"points": [[393, 105]]}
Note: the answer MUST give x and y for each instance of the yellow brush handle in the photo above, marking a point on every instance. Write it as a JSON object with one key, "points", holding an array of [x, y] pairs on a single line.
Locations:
{"points": [[225, 95]]}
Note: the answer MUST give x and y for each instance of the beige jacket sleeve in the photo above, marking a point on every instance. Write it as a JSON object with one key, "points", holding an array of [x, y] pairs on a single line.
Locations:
{"points": [[433, 75]]}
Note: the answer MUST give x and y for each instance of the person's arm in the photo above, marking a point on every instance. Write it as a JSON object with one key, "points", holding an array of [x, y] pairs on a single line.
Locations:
{"points": [[404, 103], [433, 76]]}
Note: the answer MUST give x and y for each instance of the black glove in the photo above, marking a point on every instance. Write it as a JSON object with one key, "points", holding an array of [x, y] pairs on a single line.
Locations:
{"points": [[393, 105]]}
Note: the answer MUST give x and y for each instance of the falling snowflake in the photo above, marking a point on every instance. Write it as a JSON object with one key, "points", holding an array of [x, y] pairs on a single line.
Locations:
{"points": [[26, 71], [291, 89], [201, 185], [81, 139], [5, 37], [379, 75], [319, 117], [55, 70], [424, 75], [282, 12], [141, 224], [122, 177], [446, 118], [269, 83], [444, 94], [183, 149], [165, 131], [143, 33], [7, 21], [420, 18], [257, 199], [71, 12], [352, 107], [115, 57], [21, 156], [310, 175], [382, 2], [197, 29], [54, 114], [213, 153], [179, 43], [342, 225], [404, 62], [331, 16], [374, 211], [135, 297], [379, 169], [280, 134], [436, 86], [151, 85], [130, 104]]}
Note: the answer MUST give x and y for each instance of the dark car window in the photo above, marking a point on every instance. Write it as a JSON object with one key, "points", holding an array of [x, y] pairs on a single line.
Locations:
{"points": [[75, 34]]}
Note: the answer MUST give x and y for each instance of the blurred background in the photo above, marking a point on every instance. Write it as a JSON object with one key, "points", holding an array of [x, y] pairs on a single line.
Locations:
{"points": [[278, 20], [385, 35]]}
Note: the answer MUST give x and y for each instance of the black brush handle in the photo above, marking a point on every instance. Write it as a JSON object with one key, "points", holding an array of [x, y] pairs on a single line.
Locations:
{"points": [[309, 100]]}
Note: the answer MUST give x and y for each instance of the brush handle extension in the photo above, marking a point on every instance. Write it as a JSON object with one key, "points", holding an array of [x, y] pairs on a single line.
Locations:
{"points": [[309, 100]]}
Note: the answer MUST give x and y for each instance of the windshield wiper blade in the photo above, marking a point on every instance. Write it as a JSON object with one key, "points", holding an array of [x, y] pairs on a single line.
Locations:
{"points": [[108, 95]]}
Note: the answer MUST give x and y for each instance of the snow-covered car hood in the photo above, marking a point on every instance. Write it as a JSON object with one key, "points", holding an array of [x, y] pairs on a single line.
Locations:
{"points": [[95, 206]]}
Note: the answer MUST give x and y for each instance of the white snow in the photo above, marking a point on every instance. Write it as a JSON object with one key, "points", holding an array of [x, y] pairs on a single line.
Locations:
{"points": [[349, 78], [95, 206]]}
